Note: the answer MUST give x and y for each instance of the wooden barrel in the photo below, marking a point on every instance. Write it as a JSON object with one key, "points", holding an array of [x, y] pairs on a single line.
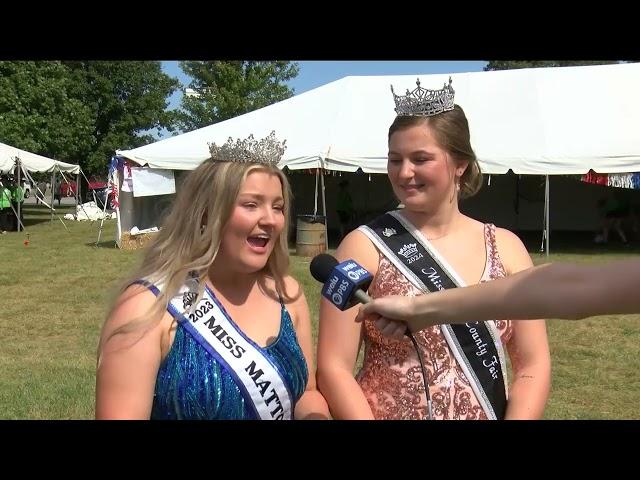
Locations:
{"points": [[310, 235]]}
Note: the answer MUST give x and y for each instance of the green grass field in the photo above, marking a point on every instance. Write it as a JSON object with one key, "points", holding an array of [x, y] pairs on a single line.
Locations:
{"points": [[55, 291]]}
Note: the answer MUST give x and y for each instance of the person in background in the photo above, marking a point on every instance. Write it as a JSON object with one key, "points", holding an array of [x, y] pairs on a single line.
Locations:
{"points": [[57, 191], [5, 205], [614, 209], [17, 201]]}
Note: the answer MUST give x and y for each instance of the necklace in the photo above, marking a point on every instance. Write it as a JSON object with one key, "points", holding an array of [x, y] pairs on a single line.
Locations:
{"points": [[436, 238]]}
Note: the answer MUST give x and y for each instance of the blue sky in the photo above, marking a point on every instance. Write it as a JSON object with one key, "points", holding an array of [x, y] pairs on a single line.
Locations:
{"points": [[317, 73]]}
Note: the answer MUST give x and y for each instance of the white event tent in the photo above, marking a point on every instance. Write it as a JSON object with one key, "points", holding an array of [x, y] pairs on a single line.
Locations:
{"points": [[547, 121]]}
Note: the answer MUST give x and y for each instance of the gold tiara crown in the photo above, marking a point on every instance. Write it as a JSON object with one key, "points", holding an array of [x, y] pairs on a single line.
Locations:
{"points": [[267, 151], [424, 102]]}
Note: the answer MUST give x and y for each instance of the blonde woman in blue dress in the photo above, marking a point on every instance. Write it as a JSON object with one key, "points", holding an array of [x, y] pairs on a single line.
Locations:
{"points": [[211, 326]]}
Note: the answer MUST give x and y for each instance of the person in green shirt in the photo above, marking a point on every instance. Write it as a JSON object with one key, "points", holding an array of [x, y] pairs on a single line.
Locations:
{"points": [[5, 205], [17, 198]]}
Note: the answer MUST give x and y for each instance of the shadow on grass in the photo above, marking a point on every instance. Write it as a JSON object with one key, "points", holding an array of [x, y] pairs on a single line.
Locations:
{"points": [[109, 244], [38, 214]]}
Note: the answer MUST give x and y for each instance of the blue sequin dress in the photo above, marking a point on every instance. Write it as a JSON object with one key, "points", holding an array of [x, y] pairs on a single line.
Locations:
{"points": [[192, 385]]}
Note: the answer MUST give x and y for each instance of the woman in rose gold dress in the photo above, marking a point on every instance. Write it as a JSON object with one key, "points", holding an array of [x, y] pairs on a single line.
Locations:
{"points": [[431, 164]]}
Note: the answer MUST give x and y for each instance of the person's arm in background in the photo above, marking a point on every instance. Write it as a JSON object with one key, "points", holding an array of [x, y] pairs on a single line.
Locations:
{"points": [[339, 340], [554, 290]]}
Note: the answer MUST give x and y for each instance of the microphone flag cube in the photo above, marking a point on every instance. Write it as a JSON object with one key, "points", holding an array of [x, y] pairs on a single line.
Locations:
{"points": [[345, 279]]}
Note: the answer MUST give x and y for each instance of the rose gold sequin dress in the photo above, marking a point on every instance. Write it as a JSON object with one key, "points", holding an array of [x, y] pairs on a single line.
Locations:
{"points": [[391, 377]]}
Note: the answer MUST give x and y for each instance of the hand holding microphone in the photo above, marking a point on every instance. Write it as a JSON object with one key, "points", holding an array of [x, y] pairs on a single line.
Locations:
{"points": [[344, 286], [344, 283], [394, 316]]}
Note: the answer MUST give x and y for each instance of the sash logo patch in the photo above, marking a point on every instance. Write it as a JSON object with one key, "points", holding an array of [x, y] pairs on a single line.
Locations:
{"points": [[410, 252]]}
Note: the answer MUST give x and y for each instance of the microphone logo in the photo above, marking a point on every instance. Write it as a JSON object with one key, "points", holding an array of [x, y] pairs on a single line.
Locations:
{"points": [[345, 279], [353, 275]]}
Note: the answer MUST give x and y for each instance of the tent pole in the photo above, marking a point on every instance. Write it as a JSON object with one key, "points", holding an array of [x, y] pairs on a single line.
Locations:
{"points": [[18, 222], [77, 189], [544, 220], [546, 203], [315, 200], [28, 178], [42, 194], [324, 212], [104, 211], [116, 185], [53, 189], [95, 200]]}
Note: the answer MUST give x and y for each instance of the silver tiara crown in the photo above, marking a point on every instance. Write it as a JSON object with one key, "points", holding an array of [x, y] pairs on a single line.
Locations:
{"points": [[268, 150], [424, 102]]}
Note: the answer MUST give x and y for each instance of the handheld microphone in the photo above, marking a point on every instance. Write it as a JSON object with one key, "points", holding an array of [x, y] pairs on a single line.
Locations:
{"points": [[344, 284]]}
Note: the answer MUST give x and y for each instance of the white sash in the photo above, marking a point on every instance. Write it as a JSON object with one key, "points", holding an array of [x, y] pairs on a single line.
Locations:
{"points": [[256, 375]]}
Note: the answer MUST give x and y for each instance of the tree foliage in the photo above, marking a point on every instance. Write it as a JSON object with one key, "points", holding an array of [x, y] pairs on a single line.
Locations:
{"points": [[38, 114], [509, 65], [81, 112], [127, 100], [224, 90]]}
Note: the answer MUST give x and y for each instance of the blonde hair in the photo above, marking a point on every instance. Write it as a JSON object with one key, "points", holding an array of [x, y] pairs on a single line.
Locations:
{"points": [[190, 237], [451, 131]]}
